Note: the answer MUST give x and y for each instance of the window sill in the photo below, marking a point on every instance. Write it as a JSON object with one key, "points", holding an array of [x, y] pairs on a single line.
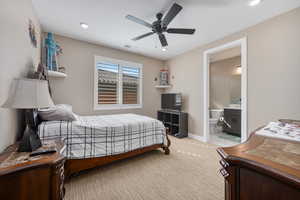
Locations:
{"points": [[117, 107]]}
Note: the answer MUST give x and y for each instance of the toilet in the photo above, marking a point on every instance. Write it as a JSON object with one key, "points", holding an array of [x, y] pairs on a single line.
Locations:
{"points": [[215, 115]]}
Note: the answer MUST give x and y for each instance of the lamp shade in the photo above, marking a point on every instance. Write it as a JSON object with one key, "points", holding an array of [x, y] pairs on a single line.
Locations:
{"points": [[28, 94]]}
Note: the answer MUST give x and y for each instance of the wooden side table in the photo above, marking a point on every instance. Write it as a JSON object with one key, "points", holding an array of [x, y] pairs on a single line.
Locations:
{"points": [[32, 178]]}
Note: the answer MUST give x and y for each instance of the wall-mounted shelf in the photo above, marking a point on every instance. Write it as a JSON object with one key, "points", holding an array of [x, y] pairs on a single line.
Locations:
{"points": [[163, 86], [56, 74]]}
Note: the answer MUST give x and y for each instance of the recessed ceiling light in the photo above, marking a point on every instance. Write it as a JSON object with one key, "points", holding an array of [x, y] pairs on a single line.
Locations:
{"points": [[254, 2], [164, 49], [84, 25]]}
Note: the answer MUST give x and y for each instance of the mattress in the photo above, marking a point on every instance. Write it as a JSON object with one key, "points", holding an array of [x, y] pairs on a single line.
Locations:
{"points": [[104, 135]]}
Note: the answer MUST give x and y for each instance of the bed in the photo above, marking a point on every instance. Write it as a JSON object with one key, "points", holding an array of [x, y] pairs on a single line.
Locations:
{"points": [[92, 141]]}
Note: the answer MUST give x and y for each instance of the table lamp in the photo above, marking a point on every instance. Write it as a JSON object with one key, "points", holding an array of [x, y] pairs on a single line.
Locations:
{"points": [[29, 94]]}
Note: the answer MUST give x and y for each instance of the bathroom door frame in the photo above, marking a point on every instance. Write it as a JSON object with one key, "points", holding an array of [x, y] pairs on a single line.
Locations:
{"points": [[206, 64]]}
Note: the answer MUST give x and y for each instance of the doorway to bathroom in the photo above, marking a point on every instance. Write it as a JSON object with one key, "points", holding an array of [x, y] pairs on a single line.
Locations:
{"points": [[225, 94]]}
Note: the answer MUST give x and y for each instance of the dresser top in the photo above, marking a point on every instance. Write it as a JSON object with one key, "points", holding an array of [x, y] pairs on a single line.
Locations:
{"points": [[12, 161], [279, 151], [269, 155]]}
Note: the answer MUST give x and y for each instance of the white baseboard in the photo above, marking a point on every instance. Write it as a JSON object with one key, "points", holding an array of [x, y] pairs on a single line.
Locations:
{"points": [[197, 137]]}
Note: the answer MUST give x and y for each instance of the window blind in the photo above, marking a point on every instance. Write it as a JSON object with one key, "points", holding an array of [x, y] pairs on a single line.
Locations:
{"points": [[108, 83], [118, 84], [130, 85]]}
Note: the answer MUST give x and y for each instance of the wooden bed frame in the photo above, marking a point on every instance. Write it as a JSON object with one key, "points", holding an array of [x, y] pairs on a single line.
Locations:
{"points": [[73, 166]]}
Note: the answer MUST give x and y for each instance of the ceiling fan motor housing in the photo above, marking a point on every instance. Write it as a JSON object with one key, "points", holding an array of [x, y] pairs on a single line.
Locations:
{"points": [[156, 27]]}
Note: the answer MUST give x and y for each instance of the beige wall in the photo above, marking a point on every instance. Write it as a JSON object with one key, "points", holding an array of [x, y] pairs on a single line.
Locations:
{"points": [[77, 89], [225, 83], [225, 54], [273, 73], [17, 57]]}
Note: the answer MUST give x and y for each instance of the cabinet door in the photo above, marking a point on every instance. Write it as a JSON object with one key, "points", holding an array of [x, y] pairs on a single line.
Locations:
{"points": [[233, 118], [30, 184], [257, 186], [229, 173]]}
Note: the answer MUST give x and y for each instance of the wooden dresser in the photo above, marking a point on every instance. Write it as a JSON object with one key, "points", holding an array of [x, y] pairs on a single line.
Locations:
{"points": [[32, 178], [262, 168]]}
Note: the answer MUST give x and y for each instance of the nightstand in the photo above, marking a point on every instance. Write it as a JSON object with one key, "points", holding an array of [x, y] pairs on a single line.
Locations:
{"points": [[32, 178]]}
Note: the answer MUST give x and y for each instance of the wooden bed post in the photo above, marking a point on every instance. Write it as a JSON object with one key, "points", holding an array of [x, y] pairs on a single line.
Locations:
{"points": [[166, 147]]}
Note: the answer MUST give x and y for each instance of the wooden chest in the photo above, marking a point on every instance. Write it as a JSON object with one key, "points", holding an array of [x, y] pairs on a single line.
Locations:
{"points": [[262, 168]]}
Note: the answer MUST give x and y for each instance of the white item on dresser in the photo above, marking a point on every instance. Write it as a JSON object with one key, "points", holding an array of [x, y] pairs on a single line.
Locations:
{"points": [[281, 131]]}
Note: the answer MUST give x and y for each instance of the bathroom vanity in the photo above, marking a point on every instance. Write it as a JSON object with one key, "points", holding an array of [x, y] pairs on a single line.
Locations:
{"points": [[233, 117]]}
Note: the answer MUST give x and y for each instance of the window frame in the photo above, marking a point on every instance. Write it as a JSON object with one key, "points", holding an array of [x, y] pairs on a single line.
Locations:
{"points": [[120, 63]]}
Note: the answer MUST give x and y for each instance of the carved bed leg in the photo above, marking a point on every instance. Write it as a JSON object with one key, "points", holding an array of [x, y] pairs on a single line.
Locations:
{"points": [[166, 147]]}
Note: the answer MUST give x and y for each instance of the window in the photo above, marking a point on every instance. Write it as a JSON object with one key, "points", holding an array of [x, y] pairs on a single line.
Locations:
{"points": [[118, 84]]}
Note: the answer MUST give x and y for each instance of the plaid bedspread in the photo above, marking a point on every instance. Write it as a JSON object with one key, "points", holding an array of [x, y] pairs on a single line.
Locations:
{"points": [[97, 136]]}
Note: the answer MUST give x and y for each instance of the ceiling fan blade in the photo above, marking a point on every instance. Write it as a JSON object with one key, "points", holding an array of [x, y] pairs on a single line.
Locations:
{"points": [[142, 36], [181, 31], [163, 40], [175, 9], [139, 21]]}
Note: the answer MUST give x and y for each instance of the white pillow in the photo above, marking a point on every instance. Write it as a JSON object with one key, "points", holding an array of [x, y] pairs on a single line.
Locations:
{"points": [[60, 112]]}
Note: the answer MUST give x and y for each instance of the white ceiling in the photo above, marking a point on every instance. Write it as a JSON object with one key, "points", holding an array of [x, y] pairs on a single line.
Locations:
{"points": [[213, 19]]}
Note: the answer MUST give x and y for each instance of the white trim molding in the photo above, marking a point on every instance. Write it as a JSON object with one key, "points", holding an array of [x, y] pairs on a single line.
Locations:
{"points": [[197, 137], [243, 44]]}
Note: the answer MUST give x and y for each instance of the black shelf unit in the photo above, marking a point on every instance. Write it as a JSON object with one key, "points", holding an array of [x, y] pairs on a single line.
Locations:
{"points": [[176, 121]]}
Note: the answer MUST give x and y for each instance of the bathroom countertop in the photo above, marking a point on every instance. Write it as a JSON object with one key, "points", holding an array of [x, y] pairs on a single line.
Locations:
{"points": [[232, 108]]}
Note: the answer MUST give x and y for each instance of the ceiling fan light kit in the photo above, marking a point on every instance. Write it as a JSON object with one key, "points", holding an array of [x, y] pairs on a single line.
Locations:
{"points": [[160, 26], [253, 3], [84, 25]]}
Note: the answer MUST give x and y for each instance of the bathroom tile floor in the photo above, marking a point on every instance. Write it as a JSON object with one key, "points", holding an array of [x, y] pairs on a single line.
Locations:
{"points": [[223, 139]]}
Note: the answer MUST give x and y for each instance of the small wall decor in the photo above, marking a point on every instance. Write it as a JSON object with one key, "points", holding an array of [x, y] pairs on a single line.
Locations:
{"points": [[32, 33], [52, 51], [164, 77]]}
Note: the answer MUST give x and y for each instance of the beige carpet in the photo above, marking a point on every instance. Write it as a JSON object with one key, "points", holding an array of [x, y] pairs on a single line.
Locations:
{"points": [[190, 172]]}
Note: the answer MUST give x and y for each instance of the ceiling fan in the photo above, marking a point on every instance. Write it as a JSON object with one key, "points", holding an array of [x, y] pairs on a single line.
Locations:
{"points": [[160, 26]]}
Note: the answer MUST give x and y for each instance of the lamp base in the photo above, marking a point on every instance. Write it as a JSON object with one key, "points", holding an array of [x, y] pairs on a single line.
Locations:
{"points": [[30, 141]]}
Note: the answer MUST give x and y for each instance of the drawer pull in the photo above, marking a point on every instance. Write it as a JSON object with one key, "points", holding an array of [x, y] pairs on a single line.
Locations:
{"points": [[224, 164], [224, 173]]}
